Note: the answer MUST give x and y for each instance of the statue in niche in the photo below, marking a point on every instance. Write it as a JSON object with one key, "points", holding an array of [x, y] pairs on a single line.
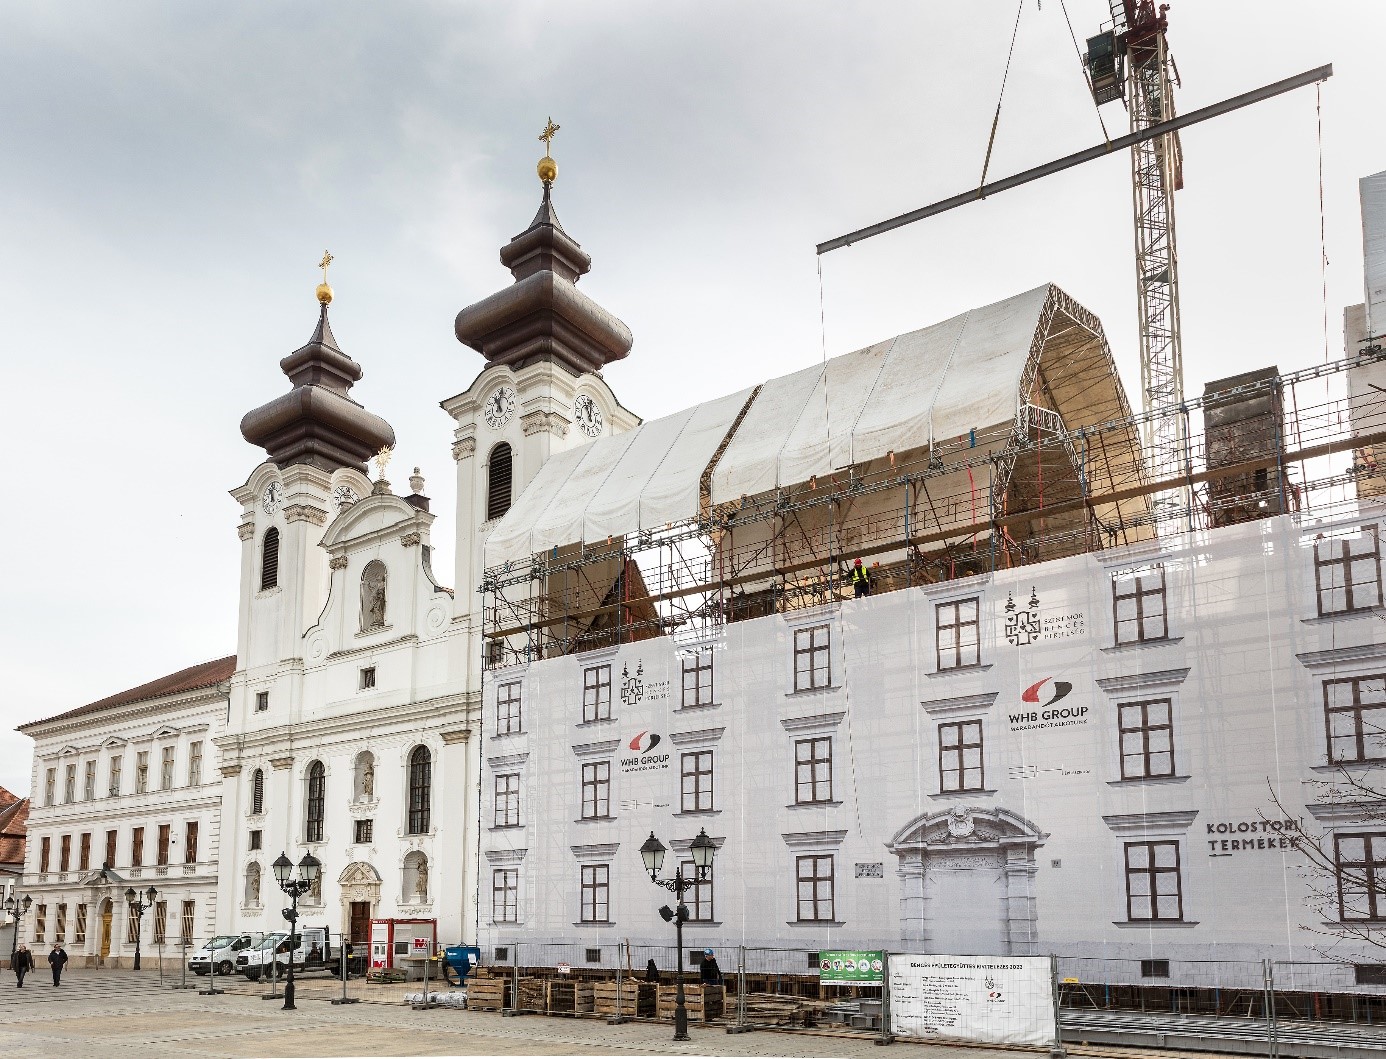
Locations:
{"points": [[373, 596], [252, 885], [421, 880], [368, 778]]}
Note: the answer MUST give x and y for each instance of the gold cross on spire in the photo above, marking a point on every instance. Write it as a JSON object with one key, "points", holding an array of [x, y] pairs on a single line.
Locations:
{"points": [[324, 291], [548, 134], [326, 260]]}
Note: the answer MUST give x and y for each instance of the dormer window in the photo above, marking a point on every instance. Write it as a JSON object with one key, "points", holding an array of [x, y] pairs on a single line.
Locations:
{"points": [[269, 559], [498, 481]]}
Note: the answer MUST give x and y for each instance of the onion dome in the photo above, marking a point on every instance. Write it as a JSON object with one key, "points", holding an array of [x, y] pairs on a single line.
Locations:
{"points": [[543, 315], [316, 423]]}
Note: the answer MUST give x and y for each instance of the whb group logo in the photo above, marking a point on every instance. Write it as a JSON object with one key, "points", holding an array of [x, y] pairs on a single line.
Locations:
{"points": [[1049, 714], [644, 742], [1060, 690], [646, 758]]}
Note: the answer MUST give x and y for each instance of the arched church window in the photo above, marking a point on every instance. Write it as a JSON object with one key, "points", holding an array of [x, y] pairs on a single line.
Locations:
{"points": [[364, 779], [415, 883], [498, 481], [252, 883], [269, 559], [257, 792], [420, 790], [374, 581], [316, 803]]}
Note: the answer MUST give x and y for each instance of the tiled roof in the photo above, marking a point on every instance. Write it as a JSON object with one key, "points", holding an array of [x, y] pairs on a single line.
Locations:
{"points": [[7, 799], [202, 675], [14, 821]]}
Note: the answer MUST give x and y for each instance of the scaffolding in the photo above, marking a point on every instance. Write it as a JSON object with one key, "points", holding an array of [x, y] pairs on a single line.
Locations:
{"points": [[1012, 495]]}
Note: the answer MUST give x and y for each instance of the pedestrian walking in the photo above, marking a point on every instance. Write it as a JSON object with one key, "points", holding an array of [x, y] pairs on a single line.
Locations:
{"points": [[57, 959], [708, 971], [23, 964]]}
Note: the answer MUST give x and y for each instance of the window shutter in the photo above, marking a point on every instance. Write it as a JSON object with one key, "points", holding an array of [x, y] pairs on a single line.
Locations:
{"points": [[498, 482], [269, 560]]}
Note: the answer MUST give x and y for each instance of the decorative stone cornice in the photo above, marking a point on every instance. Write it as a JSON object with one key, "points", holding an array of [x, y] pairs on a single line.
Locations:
{"points": [[230, 770], [1145, 823], [245, 530], [337, 562], [281, 762], [463, 447], [544, 423], [457, 735], [305, 513], [409, 540], [1165, 678]]}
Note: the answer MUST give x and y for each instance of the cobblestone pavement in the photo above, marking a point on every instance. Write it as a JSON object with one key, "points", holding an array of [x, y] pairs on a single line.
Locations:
{"points": [[120, 1013]]}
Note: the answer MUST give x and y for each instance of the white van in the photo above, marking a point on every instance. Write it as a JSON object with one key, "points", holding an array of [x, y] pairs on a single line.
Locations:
{"points": [[220, 954], [312, 952]]}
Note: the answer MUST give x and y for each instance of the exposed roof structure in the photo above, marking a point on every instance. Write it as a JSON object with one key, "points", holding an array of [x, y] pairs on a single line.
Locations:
{"points": [[194, 678], [975, 372], [14, 829]]}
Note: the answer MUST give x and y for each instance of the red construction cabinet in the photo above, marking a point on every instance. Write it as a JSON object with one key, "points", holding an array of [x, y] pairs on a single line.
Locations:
{"points": [[394, 940]]}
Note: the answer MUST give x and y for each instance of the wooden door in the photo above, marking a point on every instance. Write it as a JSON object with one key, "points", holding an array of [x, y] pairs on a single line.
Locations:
{"points": [[106, 930], [360, 922]]}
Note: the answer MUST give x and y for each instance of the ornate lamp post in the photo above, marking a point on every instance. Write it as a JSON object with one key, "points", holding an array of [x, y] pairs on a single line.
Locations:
{"points": [[308, 870], [16, 910], [652, 852], [139, 902]]}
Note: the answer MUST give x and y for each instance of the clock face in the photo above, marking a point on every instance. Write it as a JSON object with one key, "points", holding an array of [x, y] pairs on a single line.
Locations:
{"points": [[343, 495], [587, 415], [273, 498], [499, 407]]}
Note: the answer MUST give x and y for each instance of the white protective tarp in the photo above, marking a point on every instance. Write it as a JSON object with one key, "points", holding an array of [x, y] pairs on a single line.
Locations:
{"points": [[642, 479], [938, 382]]}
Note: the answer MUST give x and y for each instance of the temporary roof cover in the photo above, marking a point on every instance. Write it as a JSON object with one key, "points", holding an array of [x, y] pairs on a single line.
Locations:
{"points": [[939, 382]]}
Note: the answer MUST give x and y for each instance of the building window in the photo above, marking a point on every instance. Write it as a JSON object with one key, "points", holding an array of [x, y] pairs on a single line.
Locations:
{"points": [[509, 719], [60, 927], [815, 887], [364, 832], [142, 772], [89, 782], [596, 892], [958, 644], [110, 850], [261, 701], [1147, 739], [1153, 889], [165, 832], [65, 853], [136, 847], [256, 839], [257, 792], [50, 780], [508, 800], [45, 850], [113, 787], [160, 922], [596, 790], [185, 921], [1347, 572], [697, 679], [1361, 870], [316, 805], [596, 694], [495, 653], [960, 756], [696, 770], [505, 889], [420, 790], [166, 770], [1138, 607], [84, 852], [79, 929], [813, 770], [367, 678], [699, 898], [69, 784], [812, 666], [190, 843], [40, 921], [1355, 709], [195, 763], [498, 481], [269, 559]]}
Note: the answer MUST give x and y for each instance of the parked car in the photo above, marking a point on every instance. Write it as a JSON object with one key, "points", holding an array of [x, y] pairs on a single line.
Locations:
{"points": [[312, 952], [219, 954]]}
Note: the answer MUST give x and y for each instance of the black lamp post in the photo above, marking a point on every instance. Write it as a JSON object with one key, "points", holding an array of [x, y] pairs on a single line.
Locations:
{"points": [[308, 870], [16, 910], [138, 903], [652, 852]]}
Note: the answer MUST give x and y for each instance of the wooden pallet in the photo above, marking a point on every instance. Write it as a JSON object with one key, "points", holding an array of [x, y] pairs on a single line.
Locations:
{"points": [[704, 1003], [569, 998], [488, 994], [637, 999], [533, 995]]}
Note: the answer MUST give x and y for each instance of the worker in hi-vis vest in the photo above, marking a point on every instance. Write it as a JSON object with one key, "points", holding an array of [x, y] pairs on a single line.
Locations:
{"points": [[861, 579]]}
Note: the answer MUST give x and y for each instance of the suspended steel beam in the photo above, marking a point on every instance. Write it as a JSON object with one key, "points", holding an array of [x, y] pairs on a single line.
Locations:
{"points": [[1309, 77]]}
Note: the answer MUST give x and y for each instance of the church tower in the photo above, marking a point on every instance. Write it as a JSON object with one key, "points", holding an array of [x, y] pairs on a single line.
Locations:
{"points": [[317, 440], [545, 344]]}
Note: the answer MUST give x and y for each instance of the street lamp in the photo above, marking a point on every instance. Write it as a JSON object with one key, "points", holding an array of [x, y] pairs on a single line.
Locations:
{"points": [[138, 903], [16, 910], [308, 870], [652, 852]]}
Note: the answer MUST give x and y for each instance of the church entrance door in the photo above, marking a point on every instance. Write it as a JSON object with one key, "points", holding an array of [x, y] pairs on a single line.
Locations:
{"points": [[360, 930], [105, 928]]}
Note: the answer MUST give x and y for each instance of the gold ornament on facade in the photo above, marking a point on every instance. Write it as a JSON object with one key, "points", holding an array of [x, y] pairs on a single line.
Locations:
{"points": [[548, 168], [324, 291]]}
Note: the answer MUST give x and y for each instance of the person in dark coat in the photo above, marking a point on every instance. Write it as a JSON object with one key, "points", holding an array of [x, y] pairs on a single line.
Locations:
{"points": [[651, 972], [57, 960], [708, 971], [23, 964]]}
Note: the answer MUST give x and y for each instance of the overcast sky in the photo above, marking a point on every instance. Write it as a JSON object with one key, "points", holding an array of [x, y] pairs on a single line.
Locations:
{"points": [[171, 173]]}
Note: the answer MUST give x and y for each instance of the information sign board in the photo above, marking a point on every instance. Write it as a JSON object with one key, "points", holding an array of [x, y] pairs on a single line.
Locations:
{"points": [[851, 968], [988, 999]]}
